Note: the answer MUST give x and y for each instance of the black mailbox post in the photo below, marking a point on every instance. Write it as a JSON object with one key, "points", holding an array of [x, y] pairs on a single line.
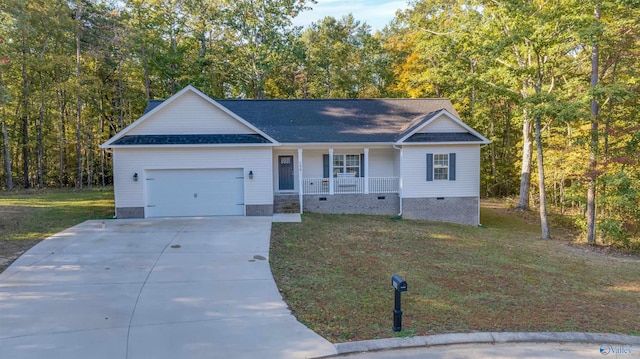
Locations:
{"points": [[400, 285]]}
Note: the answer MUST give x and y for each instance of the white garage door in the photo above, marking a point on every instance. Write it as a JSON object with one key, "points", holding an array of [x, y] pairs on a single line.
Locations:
{"points": [[192, 193]]}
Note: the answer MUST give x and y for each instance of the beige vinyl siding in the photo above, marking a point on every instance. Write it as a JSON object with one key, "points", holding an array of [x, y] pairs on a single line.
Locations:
{"points": [[467, 183], [442, 124], [128, 193], [190, 114]]}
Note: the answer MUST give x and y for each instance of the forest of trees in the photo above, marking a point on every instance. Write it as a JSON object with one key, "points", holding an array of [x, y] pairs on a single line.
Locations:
{"points": [[554, 84]]}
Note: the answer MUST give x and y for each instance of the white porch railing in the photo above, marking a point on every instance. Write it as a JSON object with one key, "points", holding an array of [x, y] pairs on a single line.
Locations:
{"points": [[384, 184], [350, 185]]}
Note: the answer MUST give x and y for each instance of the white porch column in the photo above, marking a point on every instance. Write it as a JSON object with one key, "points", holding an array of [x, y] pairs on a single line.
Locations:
{"points": [[401, 183], [300, 178], [366, 171], [331, 171]]}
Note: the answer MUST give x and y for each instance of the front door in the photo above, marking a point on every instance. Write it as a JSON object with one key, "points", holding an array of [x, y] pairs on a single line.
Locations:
{"points": [[285, 173]]}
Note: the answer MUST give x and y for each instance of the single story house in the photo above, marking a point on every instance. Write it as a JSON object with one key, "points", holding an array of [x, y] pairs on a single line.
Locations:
{"points": [[191, 155]]}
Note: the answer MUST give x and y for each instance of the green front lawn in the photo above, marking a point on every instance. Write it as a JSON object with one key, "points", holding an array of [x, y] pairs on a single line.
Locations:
{"points": [[38, 214], [335, 271], [29, 216]]}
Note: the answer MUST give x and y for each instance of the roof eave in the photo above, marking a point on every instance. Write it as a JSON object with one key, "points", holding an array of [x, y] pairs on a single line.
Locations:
{"points": [[207, 145], [480, 142]]}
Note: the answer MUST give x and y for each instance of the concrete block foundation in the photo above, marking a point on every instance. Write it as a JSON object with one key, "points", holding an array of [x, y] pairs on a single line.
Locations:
{"points": [[462, 210], [129, 212], [259, 209], [379, 204]]}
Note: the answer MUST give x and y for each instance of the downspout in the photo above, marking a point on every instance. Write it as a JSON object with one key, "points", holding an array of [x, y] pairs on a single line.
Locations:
{"points": [[400, 179]]}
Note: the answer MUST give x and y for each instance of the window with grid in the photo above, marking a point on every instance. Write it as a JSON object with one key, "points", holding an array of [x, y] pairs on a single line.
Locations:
{"points": [[441, 166], [346, 164]]}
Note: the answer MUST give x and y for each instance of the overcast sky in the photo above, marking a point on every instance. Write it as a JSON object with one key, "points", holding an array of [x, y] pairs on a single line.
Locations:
{"points": [[376, 13]]}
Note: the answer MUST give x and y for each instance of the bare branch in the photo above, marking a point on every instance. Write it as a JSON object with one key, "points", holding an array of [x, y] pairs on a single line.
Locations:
{"points": [[502, 88], [436, 32], [505, 63]]}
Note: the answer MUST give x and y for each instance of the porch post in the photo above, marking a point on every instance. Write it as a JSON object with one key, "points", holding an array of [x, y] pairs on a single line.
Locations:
{"points": [[401, 181], [366, 171], [300, 179], [331, 171]]}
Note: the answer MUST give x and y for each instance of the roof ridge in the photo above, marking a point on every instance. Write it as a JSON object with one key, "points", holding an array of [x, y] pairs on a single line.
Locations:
{"points": [[336, 99]]}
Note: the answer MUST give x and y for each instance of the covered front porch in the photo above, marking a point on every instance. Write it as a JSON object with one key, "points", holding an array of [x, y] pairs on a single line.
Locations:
{"points": [[333, 179], [350, 185]]}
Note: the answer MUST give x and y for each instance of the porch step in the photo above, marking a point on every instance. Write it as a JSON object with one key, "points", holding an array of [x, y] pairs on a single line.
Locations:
{"points": [[286, 204]]}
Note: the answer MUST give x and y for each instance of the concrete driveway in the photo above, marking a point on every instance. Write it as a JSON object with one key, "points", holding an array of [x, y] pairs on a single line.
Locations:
{"points": [[170, 288]]}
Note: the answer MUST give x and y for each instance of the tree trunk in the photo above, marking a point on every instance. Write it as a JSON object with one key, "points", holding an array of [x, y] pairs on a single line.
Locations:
{"points": [[7, 153], [546, 234], [5, 141], [506, 157], [101, 123], [120, 104], [605, 142], [62, 141], [525, 174], [40, 145], [174, 59], [89, 157], [145, 68], [25, 117], [593, 146], [492, 153], [78, 109]]}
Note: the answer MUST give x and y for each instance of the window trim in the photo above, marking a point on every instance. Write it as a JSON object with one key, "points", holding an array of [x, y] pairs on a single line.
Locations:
{"points": [[451, 165], [344, 166], [437, 166]]}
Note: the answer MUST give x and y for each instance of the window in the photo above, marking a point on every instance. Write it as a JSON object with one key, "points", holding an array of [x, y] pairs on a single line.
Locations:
{"points": [[346, 164], [440, 166]]}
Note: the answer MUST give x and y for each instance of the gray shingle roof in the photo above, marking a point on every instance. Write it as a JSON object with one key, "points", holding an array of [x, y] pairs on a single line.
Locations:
{"points": [[336, 120], [151, 105], [195, 139]]}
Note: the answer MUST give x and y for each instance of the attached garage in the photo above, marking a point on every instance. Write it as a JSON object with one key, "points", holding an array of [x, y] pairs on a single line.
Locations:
{"points": [[194, 192], [188, 156]]}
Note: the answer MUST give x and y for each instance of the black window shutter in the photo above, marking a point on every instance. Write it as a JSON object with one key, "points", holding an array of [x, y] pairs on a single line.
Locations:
{"points": [[452, 167], [362, 165], [325, 166], [429, 166]]}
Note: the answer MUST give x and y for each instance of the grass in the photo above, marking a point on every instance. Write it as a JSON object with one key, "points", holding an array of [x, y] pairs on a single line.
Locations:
{"points": [[335, 273], [38, 214], [29, 216]]}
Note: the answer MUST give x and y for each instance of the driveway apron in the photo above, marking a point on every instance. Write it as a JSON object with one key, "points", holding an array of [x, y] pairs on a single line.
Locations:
{"points": [[165, 288]]}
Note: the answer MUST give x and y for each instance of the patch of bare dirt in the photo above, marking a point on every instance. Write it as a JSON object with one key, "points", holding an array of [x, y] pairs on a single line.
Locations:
{"points": [[600, 251], [11, 249]]}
